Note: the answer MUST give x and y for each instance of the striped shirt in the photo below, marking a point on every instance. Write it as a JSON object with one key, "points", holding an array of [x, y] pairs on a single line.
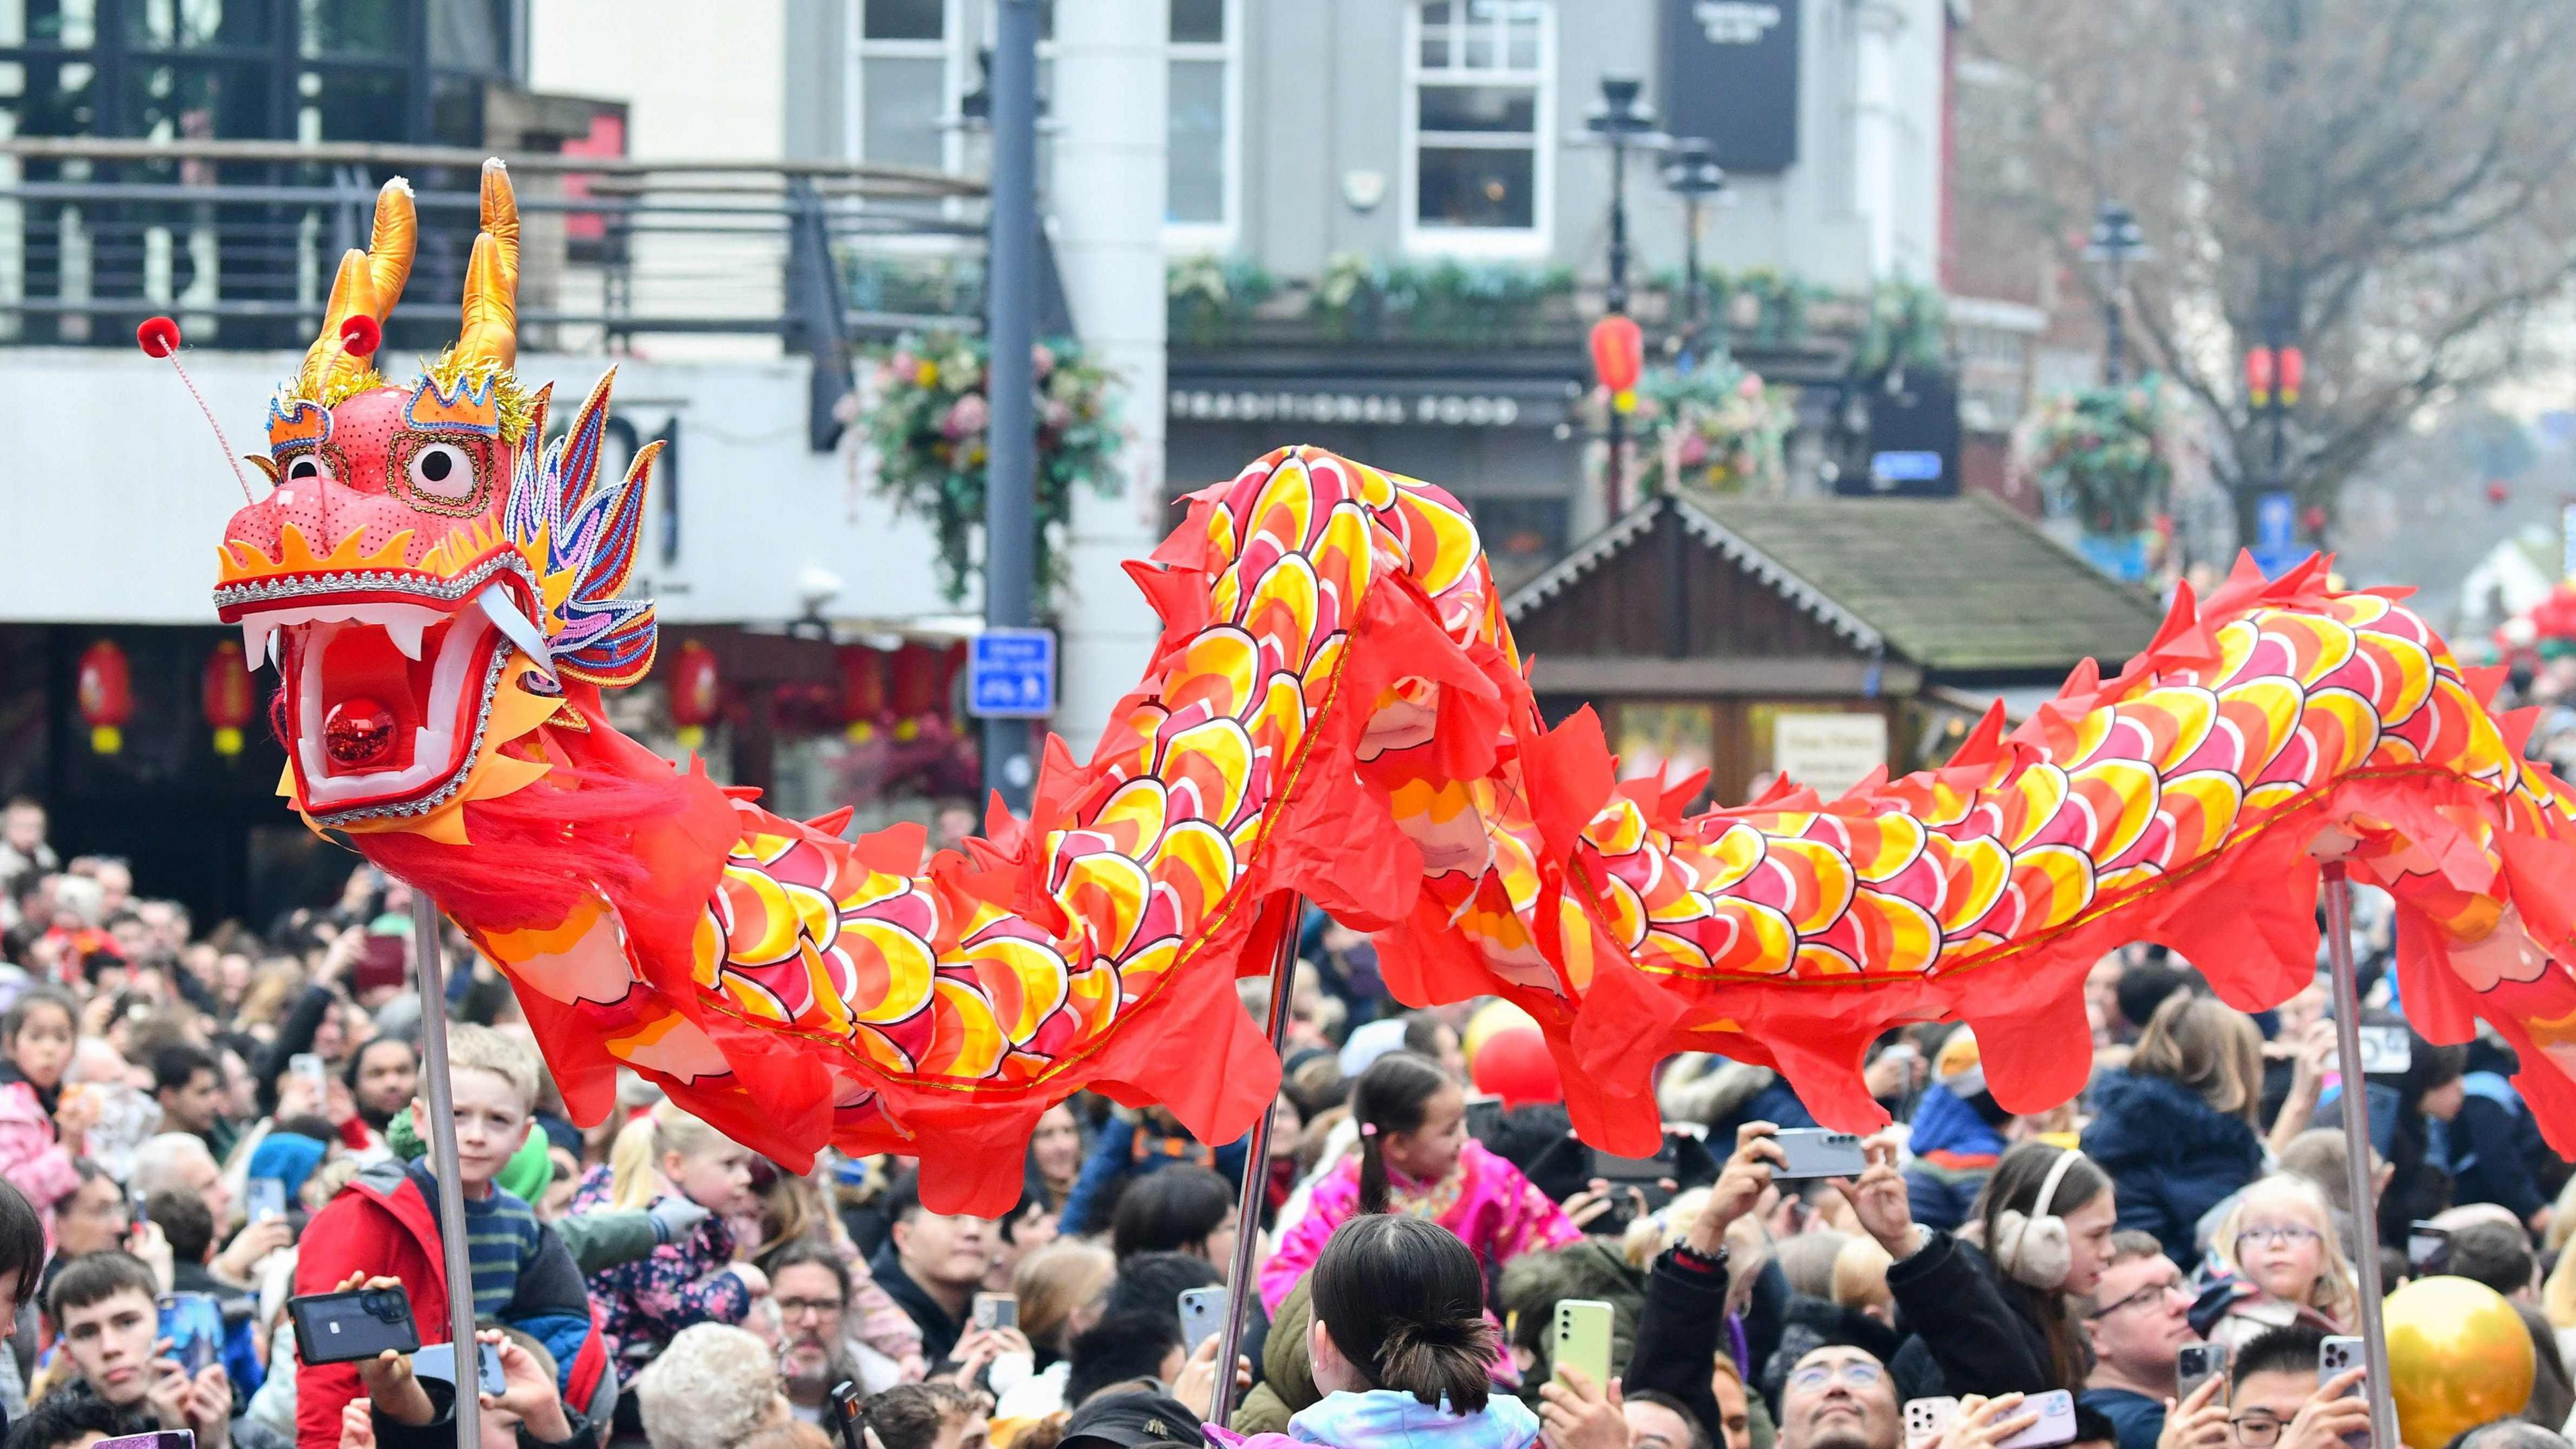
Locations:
{"points": [[501, 1236]]}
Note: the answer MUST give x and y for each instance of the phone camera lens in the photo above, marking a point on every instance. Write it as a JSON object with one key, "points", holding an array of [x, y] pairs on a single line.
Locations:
{"points": [[378, 1303]]}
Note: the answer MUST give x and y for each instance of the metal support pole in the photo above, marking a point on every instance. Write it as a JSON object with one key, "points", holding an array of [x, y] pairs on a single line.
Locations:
{"points": [[1256, 1176], [1615, 299], [2356, 1148], [1010, 325], [442, 1161], [1694, 288]]}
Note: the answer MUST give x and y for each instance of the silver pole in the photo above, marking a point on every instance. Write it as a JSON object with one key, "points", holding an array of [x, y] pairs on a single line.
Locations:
{"points": [[1010, 378], [2356, 1149], [1239, 1287], [442, 1162]]}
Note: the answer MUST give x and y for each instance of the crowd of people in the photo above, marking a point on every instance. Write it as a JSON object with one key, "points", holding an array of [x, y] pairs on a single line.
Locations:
{"points": [[199, 1127]]}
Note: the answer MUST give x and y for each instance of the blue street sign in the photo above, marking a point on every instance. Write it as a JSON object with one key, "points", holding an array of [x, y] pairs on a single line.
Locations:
{"points": [[2276, 545], [1010, 674], [1921, 466]]}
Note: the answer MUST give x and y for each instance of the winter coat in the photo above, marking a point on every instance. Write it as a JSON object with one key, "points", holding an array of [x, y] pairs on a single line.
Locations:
{"points": [[1681, 1329], [1727, 1094], [1593, 1268], [30, 1158], [1117, 1154], [2497, 1154], [1955, 1151], [386, 1222], [1388, 1419], [2171, 1157], [1287, 1375], [643, 1302], [1955, 1303], [939, 1332]]}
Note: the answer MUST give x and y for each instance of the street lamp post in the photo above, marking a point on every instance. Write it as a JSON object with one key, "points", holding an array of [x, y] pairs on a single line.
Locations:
{"points": [[1691, 172], [1010, 387], [2116, 242], [1620, 121]]}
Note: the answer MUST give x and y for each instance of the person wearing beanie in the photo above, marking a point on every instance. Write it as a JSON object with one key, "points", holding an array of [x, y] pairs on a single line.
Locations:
{"points": [[1957, 1138]]}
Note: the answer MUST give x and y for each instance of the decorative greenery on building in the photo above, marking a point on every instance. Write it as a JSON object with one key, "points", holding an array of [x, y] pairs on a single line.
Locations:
{"points": [[928, 424], [1909, 327], [2101, 455]]}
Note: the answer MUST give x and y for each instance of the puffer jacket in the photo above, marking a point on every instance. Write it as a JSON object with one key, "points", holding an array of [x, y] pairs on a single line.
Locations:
{"points": [[2171, 1156]]}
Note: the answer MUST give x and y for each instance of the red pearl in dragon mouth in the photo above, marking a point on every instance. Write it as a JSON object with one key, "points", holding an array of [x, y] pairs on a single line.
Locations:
{"points": [[358, 732]]}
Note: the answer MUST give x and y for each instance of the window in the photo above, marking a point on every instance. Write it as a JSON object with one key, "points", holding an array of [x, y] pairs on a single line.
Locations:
{"points": [[1479, 154], [903, 83], [1199, 205]]}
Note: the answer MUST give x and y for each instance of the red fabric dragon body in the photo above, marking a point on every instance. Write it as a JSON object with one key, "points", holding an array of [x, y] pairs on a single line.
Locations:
{"points": [[1335, 712]]}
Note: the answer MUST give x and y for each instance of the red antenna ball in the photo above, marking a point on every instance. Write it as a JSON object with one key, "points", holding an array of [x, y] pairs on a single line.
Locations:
{"points": [[158, 336], [360, 334]]}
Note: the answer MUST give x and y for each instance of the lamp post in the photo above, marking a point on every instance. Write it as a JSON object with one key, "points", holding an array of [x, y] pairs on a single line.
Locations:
{"points": [[1620, 121], [1691, 172], [2115, 243], [1010, 386]]}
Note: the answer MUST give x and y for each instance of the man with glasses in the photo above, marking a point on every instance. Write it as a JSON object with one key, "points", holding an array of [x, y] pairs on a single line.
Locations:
{"points": [[812, 1290], [2274, 1398], [2136, 1320], [1838, 1397]]}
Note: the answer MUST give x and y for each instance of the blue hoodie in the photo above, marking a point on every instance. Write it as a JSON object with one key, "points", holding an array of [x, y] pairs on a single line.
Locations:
{"points": [[2171, 1156], [1955, 1151]]}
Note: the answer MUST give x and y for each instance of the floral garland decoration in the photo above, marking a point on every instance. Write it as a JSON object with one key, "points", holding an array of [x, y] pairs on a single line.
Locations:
{"points": [[2100, 454], [928, 425]]}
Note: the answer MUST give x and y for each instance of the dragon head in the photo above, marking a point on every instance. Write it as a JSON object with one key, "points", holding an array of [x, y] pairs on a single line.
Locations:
{"points": [[433, 580]]}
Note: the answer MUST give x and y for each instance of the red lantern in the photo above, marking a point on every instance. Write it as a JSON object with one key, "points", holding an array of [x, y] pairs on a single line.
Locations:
{"points": [[922, 674], [863, 690], [695, 692], [1619, 358], [2294, 371], [2259, 376], [2497, 492], [226, 694], [1514, 1065], [106, 695]]}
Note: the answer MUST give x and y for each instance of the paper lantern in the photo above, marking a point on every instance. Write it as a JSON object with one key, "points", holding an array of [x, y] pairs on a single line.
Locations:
{"points": [[922, 675], [1619, 358], [226, 695], [2261, 368], [1514, 1065], [2294, 374], [106, 695], [864, 691], [695, 692]]}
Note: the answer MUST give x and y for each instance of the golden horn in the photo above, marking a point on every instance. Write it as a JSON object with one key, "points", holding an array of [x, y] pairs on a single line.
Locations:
{"points": [[370, 282], [491, 321]]}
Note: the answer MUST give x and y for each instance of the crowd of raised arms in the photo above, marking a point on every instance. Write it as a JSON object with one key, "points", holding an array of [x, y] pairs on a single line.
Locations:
{"points": [[208, 1133]]}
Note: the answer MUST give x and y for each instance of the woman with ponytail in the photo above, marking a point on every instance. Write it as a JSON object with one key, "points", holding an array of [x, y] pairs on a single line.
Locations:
{"points": [[670, 1164], [1401, 1350], [1416, 1160]]}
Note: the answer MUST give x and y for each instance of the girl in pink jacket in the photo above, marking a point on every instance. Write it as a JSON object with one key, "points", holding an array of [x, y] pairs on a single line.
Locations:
{"points": [[40, 1129]]}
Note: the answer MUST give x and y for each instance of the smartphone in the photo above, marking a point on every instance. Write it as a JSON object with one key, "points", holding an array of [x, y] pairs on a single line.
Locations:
{"points": [[358, 1324], [165, 1439], [1582, 1339], [381, 962], [310, 1067], [2425, 1245], [2056, 1422], [2386, 1050], [265, 1197], [2196, 1364], [1202, 1316], [438, 1361], [1484, 1116], [996, 1310], [1927, 1419], [850, 1415], [2342, 1353], [194, 1324], [1818, 1152]]}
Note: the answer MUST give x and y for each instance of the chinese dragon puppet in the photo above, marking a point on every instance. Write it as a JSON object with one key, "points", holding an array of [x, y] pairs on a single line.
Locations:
{"points": [[1335, 711]]}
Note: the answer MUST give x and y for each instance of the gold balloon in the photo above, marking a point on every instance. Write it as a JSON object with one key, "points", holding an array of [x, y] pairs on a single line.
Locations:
{"points": [[2458, 1356], [1493, 1016]]}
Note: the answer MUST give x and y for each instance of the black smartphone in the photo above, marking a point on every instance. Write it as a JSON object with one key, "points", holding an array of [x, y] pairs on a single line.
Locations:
{"points": [[2426, 1245], [358, 1324], [849, 1414], [1484, 1116]]}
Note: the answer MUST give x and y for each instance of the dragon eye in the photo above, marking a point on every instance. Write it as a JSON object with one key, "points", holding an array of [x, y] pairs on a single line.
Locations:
{"points": [[308, 467], [441, 470]]}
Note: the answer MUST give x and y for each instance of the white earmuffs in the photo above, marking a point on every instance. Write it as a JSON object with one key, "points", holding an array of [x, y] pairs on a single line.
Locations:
{"points": [[2034, 1248]]}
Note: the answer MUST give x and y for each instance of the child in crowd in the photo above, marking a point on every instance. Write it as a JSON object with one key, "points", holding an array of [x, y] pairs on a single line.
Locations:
{"points": [[386, 1223], [40, 1126], [667, 1154], [1416, 1159], [2279, 1256]]}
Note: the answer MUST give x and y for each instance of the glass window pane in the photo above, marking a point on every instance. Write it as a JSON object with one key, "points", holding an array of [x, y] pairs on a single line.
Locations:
{"points": [[49, 22], [1475, 187], [1199, 153], [1201, 21], [468, 35], [184, 23], [203, 101], [1524, 43], [1480, 44], [355, 105], [906, 19], [901, 100], [359, 28], [1478, 108], [456, 110], [1435, 35]]}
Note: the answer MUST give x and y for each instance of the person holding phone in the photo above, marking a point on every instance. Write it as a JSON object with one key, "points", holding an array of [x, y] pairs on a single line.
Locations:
{"points": [[2275, 1402], [105, 1306], [2137, 1319]]}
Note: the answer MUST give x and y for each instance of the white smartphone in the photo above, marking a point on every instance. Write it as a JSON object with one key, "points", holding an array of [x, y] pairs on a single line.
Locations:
{"points": [[2341, 1353], [1926, 1419], [2056, 1422], [2196, 1364], [1812, 1152], [1202, 1316]]}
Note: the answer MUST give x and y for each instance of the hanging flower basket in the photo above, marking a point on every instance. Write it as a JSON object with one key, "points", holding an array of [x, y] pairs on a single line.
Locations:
{"points": [[2100, 456], [1716, 427], [929, 426]]}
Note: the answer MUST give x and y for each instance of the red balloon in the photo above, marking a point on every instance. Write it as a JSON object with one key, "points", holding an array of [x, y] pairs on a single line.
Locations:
{"points": [[1514, 1064], [158, 336], [359, 334]]}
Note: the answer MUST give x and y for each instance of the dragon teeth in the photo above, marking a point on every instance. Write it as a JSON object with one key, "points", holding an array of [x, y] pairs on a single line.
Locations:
{"points": [[405, 632], [259, 642]]}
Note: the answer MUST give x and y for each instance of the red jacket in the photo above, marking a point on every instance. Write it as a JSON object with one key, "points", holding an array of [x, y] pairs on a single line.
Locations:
{"points": [[383, 1222]]}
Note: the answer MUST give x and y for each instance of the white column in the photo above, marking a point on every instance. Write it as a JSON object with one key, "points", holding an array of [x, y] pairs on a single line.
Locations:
{"points": [[1108, 107], [1878, 24]]}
